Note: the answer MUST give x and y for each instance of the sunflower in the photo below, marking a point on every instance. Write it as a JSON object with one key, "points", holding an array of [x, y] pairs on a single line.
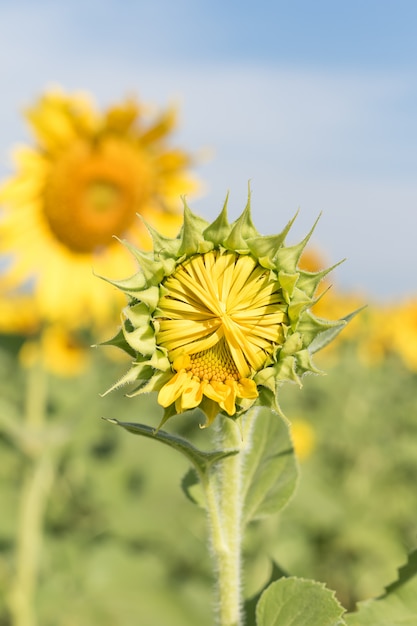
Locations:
{"points": [[17, 314], [380, 339], [78, 189], [303, 438], [57, 350], [218, 317]]}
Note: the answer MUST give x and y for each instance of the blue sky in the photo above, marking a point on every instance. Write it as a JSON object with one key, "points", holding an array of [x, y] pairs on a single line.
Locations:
{"points": [[314, 102]]}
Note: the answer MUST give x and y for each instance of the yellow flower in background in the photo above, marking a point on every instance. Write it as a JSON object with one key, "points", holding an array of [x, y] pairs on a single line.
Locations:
{"points": [[57, 351], [53, 346], [375, 340], [17, 314], [404, 333], [391, 329], [78, 188], [303, 438]]}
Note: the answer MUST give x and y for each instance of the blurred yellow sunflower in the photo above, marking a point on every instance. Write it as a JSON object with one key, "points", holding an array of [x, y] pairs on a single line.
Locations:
{"points": [[404, 332], [303, 438], [57, 351], [399, 336], [17, 314], [79, 187]]}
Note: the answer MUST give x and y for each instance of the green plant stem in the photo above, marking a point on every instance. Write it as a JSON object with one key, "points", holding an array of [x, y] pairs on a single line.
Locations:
{"points": [[34, 496], [224, 505]]}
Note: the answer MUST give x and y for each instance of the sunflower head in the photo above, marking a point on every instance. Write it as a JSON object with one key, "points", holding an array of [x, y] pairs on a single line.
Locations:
{"points": [[219, 317], [78, 187]]}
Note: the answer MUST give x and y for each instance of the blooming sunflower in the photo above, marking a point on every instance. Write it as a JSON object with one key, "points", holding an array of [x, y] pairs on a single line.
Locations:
{"points": [[17, 314], [218, 317], [58, 351], [77, 189]]}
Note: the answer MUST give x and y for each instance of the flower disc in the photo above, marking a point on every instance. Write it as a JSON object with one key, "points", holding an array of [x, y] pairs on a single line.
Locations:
{"points": [[93, 193], [220, 320], [222, 296]]}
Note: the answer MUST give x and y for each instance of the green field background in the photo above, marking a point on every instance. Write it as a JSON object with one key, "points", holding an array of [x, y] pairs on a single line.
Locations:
{"points": [[123, 545]]}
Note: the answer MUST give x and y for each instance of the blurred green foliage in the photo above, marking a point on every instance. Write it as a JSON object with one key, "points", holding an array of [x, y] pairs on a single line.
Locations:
{"points": [[123, 545]]}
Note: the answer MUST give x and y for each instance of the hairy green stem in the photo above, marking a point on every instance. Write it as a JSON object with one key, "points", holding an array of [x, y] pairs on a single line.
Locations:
{"points": [[224, 505], [34, 496]]}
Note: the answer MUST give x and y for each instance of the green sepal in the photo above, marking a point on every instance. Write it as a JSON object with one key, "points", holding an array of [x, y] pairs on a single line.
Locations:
{"points": [[288, 282], [296, 309], [154, 270], [287, 257], [293, 343], [142, 340], [309, 281], [150, 297], [119, 341], [131, 376], [164, 247], [149, 380], [159, 360], [137, 329], [219, 230], [191, 236], [265, 248], [286, 369], [324, 338], [267, 378], [305, 364], [310, 326], [130, 286], [201, 460], [242, 230]]}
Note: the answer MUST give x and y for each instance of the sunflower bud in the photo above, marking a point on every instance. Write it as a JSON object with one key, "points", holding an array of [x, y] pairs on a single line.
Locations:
{"points": [[219, 317]]}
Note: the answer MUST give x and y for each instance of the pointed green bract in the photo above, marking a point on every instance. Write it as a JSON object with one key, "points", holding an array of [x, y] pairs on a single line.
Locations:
{"points": [[289, 355], [192, 238], [242, 231], [219, 230]]}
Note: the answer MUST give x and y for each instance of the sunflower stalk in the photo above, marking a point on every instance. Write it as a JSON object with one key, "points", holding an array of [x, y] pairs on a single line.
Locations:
{"points": [[40, 474], [224, 508]]}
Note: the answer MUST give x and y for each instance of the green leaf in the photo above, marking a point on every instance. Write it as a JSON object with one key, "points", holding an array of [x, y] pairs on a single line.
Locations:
{"points": [[298, 602], [269, 474], [250, 604], [398, 605], [201, 460]]}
